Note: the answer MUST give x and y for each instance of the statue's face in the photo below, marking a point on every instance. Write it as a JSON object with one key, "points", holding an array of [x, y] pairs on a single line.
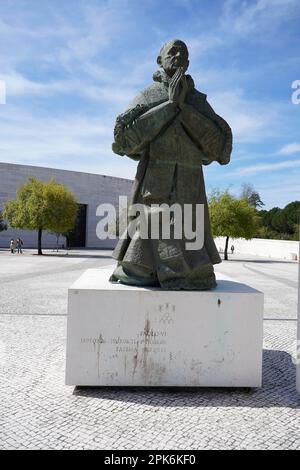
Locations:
{"points": [[174, 55]]}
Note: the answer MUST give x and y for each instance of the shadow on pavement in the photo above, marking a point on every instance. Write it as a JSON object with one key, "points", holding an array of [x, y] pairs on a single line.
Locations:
{"points": [[279, 390], [69, 255], [260, 261]]}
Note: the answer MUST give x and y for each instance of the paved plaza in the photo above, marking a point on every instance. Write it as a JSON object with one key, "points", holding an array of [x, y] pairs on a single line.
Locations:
{"points": [[37, 411]]}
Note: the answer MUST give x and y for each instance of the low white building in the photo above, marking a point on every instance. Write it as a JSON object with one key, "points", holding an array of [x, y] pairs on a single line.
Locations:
{"points": [[90, 189]]}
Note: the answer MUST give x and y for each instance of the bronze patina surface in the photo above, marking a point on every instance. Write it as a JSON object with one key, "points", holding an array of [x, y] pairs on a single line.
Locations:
{"points": [[172, 131]]}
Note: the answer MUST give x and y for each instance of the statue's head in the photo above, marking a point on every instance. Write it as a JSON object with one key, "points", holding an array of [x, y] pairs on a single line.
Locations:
{"points": [[172, 55]]}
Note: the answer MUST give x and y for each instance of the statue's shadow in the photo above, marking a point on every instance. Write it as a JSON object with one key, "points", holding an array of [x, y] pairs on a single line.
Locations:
{"points": [[278, 390]]}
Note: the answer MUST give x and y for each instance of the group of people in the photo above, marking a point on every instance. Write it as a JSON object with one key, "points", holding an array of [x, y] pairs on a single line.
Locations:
{"points": [[16, 245]]}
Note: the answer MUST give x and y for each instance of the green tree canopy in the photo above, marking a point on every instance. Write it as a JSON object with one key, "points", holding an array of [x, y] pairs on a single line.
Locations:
{"points": [[42, 206], [280, 223], [232, 217], [3, 226], [292, 216]]}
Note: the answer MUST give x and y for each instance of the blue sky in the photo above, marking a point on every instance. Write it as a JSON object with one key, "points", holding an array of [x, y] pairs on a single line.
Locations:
{"points": [[71, 66]]}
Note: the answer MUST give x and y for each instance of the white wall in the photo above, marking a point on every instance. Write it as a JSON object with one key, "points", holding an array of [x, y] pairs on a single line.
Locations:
{"points": [[282, 249]]}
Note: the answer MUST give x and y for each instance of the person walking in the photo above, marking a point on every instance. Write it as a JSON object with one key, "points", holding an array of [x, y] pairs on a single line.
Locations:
{"points": [[12, 245], [232, 249], [19, 245]]}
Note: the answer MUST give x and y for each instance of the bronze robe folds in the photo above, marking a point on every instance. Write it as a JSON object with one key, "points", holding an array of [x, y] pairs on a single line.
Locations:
{"points": [[171, 145]]}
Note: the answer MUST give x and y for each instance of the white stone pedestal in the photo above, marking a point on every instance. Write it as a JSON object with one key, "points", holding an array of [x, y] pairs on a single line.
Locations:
{"points": [[120, 335]]}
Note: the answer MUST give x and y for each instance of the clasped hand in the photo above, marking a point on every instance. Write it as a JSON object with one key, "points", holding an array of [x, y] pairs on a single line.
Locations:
{"points": [[178, 87]]}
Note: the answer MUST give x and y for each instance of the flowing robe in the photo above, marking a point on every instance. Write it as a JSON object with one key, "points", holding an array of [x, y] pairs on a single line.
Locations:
{"points": [[171, 145]]}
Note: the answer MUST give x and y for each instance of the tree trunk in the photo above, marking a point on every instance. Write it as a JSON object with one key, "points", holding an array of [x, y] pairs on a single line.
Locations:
{"points": [[40, 241], [226, 249]]}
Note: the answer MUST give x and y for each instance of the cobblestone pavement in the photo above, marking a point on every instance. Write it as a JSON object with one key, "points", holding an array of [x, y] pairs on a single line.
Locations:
{"points": [[37, 411]]}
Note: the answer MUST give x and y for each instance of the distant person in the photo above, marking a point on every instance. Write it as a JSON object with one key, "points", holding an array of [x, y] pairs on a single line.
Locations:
{"points": [[232, 249], [12, 245], [19, 245]]}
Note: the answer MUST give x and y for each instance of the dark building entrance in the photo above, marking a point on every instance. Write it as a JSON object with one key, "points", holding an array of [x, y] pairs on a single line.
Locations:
{"points": [[76, 238]]}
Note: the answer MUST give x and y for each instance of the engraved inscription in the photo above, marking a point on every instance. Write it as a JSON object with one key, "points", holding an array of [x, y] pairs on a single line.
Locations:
{"points": [[152, 340]]}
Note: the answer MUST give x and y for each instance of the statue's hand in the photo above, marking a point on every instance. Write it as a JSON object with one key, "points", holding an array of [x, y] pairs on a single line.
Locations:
{"points": [[175, 86], [183, 91]]}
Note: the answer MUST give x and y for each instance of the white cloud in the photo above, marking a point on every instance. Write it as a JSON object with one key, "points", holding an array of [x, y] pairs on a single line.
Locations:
{"points": [[68, 142], [289, 149], [100, 27], [116, 95], [29, 137], [202, 44], [265, 168], [17, 84], [50, 35], [250, 120], [256, 16]]}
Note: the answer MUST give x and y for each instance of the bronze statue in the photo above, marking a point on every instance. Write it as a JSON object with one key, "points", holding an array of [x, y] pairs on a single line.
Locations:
{"points": [[172, 131]]}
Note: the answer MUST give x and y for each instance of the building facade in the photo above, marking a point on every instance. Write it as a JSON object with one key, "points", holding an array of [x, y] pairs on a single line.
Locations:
{"points": [[90, 189]]}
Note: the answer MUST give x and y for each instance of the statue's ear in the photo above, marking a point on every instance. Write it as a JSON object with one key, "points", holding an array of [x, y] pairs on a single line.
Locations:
{"points": [[159, 60]]}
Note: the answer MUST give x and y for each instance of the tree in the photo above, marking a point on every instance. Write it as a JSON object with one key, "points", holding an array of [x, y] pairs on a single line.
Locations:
{"points": [[3, 226], [42, 206], [249, 194], [292, 217], [281, 223], [231, 217], [278, 221]]}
